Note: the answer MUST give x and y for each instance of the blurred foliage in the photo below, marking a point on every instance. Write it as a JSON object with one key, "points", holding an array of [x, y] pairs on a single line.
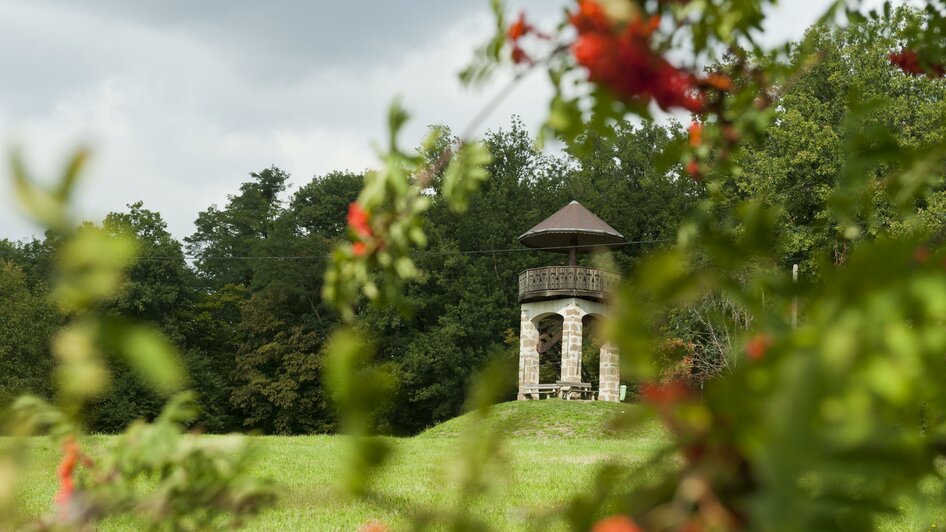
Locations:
{"points": [[198, 484], [827, 153], [168, 479]]}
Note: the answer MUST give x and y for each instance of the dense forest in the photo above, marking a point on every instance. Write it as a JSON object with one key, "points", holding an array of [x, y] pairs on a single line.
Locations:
{"points": [[241, 296]]}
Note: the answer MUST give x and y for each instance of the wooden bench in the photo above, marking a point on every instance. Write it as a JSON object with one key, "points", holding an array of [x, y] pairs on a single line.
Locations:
{"points": [[561, 389], [539, 391], [575, 390]]}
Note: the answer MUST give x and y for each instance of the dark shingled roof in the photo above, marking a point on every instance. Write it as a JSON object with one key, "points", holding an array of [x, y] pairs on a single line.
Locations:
{"points": [[573, 225]]}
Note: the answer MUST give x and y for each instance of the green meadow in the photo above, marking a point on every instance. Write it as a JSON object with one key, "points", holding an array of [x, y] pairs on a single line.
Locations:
{"points": [[551, 452]]}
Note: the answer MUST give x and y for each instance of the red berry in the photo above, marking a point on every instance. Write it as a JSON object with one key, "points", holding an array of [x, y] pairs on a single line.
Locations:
{"points": [[358, 220], [758, 345]]}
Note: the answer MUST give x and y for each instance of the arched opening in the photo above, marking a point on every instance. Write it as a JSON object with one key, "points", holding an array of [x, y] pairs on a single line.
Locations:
{"points": [[549, 347], [591, 342]]}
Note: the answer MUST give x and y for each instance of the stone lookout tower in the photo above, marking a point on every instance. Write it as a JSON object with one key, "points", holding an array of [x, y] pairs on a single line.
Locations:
{"points": [[558, 302]]}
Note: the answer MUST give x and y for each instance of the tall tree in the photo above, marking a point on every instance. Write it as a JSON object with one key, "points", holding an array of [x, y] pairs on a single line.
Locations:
{"points": [[277, 385], [158, 286], [225, 236]]}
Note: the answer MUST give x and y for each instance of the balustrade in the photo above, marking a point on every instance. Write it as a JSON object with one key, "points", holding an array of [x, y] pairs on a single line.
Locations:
{"points": [[566, 281]]}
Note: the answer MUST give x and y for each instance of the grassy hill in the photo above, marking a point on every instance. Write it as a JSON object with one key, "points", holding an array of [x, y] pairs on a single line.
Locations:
{"points": [[548, 419], [555, 450]]}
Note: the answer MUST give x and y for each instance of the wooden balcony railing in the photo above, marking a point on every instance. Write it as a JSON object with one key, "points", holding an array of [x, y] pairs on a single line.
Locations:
{"points": [[551, 282]]}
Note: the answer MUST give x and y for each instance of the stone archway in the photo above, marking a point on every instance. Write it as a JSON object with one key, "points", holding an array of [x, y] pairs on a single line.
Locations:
{"points": [[591, 342], [572, 312], [540, 338], [607, 375], [549, 346]]}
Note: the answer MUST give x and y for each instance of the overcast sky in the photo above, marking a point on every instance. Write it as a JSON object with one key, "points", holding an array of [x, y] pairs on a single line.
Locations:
{"points": [[180, 100]]}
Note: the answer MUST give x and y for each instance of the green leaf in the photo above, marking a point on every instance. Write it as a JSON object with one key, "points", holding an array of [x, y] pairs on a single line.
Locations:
{"points": [[397, 117], [467, 169], [70, 175], [152, 356]]}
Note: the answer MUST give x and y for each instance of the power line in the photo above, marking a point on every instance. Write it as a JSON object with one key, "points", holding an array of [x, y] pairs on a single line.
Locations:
{"points": [[146, 258]]}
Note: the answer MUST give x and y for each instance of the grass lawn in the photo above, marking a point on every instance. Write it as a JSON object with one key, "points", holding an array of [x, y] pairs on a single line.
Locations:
{"points": [[551, 454]]}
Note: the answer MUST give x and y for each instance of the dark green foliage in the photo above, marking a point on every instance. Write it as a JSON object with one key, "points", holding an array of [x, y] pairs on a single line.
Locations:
{"points": [[277, 370], [27, 319], [223, 234], [277, 361], [210, 327]]}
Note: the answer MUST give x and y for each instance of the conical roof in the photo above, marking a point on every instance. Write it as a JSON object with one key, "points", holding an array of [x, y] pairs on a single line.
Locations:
{"points": [[573, 226]]}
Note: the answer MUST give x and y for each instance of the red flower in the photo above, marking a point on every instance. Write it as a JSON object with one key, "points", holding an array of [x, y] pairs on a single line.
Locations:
{"points": [[358, 220], [622, 60], [908, 61], [617, 523], [590, 18], [519, 29], [359, 249], [696, 134], [758, 345]]}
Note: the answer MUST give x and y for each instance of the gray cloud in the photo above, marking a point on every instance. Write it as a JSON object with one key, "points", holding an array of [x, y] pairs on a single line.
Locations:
{"points": [[287, 37], [181, 100]]}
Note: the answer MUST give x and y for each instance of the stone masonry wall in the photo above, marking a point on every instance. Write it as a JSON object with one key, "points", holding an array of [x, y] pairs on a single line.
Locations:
{"points": [[609, 378], [571, 344], [528, 354]]}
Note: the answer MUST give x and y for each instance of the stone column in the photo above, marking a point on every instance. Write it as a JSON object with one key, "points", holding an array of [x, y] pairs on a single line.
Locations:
{"points": [[571, 344], [528, 353], [609, 377]]}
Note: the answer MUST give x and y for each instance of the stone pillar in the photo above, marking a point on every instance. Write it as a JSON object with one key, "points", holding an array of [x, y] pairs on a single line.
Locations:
{"points": [[609, 377], [528, 353], [571, 344]]}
